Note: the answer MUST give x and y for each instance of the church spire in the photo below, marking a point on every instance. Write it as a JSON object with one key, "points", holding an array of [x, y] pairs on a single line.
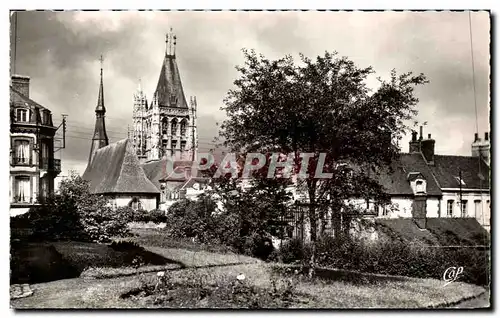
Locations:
{"points": [[100, 98], [169, 91], [100, 138]]}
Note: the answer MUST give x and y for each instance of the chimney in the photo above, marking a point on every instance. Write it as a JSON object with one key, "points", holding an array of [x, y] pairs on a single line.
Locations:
{"points": [[414, 143], [476, 137], [481, 148], [421, 133], [427, 147], [21, 84]]}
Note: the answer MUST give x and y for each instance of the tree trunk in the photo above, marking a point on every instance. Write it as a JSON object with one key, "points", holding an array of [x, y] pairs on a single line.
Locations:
{"points": [[313, 227], [346, 225], [336, 221]]}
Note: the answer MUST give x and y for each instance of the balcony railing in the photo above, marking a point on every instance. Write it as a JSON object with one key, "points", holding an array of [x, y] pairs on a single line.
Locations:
{"points": [[57, 166], [21, 161], [20, 199]]}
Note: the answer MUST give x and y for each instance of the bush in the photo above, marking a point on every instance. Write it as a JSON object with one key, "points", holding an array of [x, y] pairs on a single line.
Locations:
{"points": [[157, 216], [127, 213], [258, 245], [393, 258], [74, 214], [292, 251]]}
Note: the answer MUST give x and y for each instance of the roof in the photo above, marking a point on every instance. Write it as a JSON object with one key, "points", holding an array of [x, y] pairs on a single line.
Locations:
{"points": [[447, 169], [157, 171], [19, 99], [100, 98], [407, 165], [116, 169], [169, 88]]}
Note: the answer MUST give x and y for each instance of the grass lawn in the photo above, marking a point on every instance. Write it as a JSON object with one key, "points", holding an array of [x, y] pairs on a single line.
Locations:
{"points": [[125, 292], [33, 262], [156, 237]]}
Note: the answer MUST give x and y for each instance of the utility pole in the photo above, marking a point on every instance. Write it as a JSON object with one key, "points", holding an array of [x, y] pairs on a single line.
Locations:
{"points": [[460, 182], [63, 124]]}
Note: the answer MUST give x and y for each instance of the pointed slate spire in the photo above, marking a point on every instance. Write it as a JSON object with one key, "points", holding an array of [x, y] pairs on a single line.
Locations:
{"points": [[100, 137], [169, 91], [100, 99]]}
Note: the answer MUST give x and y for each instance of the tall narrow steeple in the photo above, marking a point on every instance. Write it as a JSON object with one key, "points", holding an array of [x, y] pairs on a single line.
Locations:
{"points": [[100, 138]]}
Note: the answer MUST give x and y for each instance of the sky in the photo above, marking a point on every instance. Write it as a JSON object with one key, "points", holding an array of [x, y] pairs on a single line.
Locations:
{"points": [[60, 51]]}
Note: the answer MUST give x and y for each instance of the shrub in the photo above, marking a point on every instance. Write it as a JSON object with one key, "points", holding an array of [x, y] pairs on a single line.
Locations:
{"points": [[157, 216], [393, 258], [259, 245], [75, 214], [291, 251], [127, 213]]}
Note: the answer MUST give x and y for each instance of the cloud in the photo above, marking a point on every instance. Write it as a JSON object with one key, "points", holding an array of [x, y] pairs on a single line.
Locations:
{"points": [[60, 51]]}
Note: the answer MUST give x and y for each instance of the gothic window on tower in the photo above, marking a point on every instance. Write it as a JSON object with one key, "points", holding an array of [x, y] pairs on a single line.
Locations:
{"points": [[183, 127], [174, 127], [183, 145], [164, 126]]}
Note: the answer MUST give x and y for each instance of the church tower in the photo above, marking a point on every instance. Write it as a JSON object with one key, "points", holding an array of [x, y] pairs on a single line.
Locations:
{"points": [[100, 138], [167, 127]]}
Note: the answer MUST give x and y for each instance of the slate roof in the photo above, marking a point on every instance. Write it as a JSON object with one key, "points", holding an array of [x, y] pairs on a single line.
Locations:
{"points": [[446, 169], [156, 171], [396, 182], [19, 99], [116, 169], [169, 84]]}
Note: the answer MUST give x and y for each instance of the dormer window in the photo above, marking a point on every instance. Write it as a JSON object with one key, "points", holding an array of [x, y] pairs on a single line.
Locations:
{"points": [[420, 186], [22, 115]]}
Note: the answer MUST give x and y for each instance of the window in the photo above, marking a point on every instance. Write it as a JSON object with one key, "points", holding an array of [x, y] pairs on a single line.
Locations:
{"points": [[135, 204], [174, 144], [22, 115], [164, 126], [45, 155], [45, 118], [22, 152], [464, 208], [44, 191], [174, 127], [477, 210], [22, 189], [183, 145], [183, 128], [449, 209], [420, 186]]}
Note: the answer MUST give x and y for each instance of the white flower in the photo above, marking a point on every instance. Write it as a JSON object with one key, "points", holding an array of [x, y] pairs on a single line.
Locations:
{"points": [[160, 274], [240, 277]]}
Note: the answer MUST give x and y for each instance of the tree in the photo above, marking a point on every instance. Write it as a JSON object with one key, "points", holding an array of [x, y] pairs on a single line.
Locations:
{"points": [[322, 107]]}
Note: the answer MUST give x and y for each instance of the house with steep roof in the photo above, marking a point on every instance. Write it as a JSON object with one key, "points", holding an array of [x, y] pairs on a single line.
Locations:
{"points": [[443, 186], [115, 172], [424, 186]]}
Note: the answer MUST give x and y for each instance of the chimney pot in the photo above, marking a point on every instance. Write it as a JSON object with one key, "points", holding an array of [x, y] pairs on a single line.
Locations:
{"points": [[429, 136], [476, 136], [421, 132], [486, 136]]}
